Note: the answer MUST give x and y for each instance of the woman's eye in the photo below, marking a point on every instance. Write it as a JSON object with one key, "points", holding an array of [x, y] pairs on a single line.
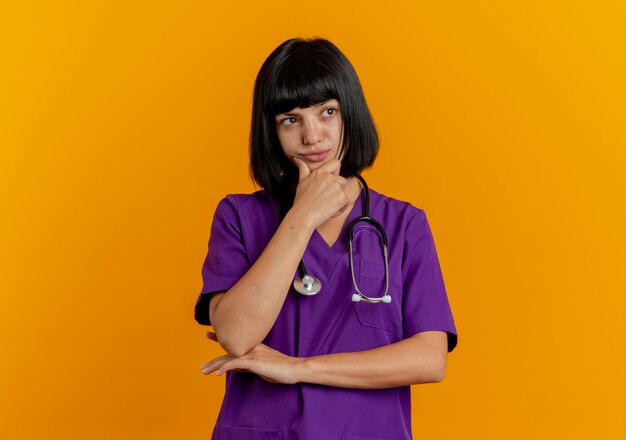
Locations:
{"points": [[329, 112], [288, 121]]}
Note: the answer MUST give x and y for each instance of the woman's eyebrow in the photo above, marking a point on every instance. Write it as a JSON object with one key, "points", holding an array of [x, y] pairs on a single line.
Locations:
{"points": [[333, 100], [319, 104], [287, 114]]}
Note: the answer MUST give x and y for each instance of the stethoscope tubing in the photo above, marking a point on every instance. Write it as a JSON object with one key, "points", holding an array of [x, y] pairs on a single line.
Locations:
{"points": [[308, 285]]}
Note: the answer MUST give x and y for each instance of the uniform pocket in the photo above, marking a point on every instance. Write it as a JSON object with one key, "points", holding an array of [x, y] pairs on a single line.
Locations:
{"points": [[225, 432], [372, 283]]}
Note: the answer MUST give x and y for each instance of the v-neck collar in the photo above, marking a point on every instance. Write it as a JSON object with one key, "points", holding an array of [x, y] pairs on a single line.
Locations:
{"points": [[340, 245]]}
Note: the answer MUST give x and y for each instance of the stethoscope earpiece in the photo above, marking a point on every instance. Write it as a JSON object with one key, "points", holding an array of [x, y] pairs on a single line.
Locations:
{"points": [[358, 298]]}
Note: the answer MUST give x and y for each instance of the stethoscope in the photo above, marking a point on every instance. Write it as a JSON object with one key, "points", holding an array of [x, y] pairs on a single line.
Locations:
{"points": [[309, 285]]}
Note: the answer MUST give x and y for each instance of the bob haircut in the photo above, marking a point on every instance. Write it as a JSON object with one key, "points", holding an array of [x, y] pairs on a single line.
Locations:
{"points": [[301, 73]]}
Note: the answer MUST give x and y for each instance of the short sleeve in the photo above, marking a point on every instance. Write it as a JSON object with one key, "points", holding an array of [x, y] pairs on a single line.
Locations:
{"points": [[425, 301], [226, 261]]}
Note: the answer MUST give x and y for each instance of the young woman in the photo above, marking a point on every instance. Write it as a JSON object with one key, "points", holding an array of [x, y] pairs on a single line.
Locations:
{"points": [[323, 337]]}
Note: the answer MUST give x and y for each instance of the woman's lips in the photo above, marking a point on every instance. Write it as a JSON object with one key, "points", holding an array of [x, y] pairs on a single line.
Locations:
{"points": [[316, 157]]}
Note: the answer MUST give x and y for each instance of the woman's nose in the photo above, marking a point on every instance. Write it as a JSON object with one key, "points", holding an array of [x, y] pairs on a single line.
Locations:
{"points": [[311, 132]]}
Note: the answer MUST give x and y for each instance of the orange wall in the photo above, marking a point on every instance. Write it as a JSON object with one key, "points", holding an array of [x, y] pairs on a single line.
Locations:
{"points": [[123, 123]]}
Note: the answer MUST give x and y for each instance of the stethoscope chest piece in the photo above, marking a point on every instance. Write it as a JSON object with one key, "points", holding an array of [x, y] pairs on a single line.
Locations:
{"points": [[307, 285]]}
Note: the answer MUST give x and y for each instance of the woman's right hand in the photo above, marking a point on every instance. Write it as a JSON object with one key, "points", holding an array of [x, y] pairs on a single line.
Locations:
{"points": [[321, 194], [245, 314]]}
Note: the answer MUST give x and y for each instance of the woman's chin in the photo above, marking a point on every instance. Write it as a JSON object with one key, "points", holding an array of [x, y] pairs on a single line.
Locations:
{"points": [[317, 165]]}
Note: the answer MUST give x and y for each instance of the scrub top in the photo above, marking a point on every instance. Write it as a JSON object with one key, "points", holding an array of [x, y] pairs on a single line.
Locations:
{"points": [[329, 322]]}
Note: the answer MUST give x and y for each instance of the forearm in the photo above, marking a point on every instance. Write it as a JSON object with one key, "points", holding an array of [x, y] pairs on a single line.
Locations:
{"points": [[419, 359], [244, 315]]}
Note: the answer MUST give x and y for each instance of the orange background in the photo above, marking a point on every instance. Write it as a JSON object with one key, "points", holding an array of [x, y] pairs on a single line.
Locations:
{"points": [[122, 124]]}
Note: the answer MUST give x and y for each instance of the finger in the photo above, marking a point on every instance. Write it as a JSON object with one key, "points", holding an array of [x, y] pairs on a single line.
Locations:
{"points": [[340, 180], [212, 336], [340, 211], [237, 364], [213, 365], [333, 166], [216, 362], [219, 359], [303, 169]]}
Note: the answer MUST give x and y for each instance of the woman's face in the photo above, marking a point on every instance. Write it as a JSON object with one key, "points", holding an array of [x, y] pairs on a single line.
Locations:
{"points": [[312, 134]]}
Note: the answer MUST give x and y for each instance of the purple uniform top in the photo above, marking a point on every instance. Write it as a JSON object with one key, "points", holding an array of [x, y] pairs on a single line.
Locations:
{"points": [[329, 322]]}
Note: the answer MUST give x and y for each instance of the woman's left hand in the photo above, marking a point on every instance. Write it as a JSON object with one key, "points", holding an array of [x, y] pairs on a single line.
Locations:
{"points": [[271, 365]]}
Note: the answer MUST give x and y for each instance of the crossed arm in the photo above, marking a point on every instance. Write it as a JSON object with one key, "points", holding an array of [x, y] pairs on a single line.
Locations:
{"points": [[244, 315], [418, 359]]}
